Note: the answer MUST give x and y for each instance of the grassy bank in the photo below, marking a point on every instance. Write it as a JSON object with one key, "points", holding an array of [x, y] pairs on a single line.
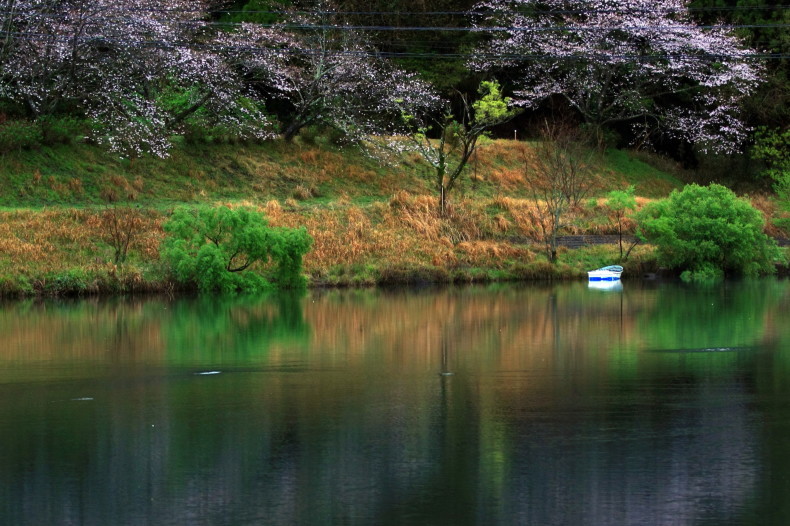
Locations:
{"points": [[308, 169], [371, 223]]}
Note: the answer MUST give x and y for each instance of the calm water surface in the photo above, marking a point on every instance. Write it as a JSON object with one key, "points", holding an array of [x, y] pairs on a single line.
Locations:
{"points": [[649, 405]]}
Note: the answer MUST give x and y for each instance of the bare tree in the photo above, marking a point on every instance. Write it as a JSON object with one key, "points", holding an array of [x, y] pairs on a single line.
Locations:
{"points": [[559, 177]]}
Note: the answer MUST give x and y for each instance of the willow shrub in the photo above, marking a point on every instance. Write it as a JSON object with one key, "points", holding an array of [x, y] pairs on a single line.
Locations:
{"points": [[707, 232], [227, 250]]}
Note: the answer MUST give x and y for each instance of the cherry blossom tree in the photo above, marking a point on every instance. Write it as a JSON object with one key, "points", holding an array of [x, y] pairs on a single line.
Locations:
{"points": [[138, 69], [639, 62], [327, 75]]}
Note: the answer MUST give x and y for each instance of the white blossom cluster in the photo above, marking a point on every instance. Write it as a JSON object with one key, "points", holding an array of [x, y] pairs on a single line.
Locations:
{"points": [[139, 69], [332, 78], [631, 61], [144, 70]]}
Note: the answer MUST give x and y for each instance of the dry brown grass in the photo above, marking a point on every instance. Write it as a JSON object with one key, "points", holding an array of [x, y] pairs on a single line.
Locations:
{"points": [[508, 179], [771, 212], [491, 254], [418, 213], [406, 231], [526, 216], [273, 209], [340, 237], [500, 152], [54, 240], [502, 223], [302, 193]]}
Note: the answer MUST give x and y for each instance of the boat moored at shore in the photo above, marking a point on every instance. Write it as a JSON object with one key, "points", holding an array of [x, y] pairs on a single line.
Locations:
{"points": [[610, 273]]}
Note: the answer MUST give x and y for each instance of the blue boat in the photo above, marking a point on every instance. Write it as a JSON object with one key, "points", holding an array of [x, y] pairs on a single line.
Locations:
{"points": [[610, 273]]}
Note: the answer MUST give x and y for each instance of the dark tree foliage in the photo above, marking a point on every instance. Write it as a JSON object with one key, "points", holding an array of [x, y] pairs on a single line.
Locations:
{"points": [[760, 24], [255, 11], [418, 49]]}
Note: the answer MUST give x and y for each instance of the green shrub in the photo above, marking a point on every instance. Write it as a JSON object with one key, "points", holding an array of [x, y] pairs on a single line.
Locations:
{"points": [[67, 282], [224, 249], [15, 285], [707, 231], [19, 135], [772, 146], [61, 130]]}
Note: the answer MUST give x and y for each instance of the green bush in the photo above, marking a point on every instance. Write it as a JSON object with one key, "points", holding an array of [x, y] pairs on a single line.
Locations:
{"points": [[19, 135], [772, 147], [224, 249], [707, 232], [61, 130], [67, 282], [15, 285]]}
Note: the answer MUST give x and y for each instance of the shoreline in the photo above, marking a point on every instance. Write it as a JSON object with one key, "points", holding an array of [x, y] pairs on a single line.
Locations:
{"points": [[130, 282]]}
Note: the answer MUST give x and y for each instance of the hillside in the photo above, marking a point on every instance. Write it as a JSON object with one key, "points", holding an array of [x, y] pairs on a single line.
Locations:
{"points": [[372, 223], [309, 169]]}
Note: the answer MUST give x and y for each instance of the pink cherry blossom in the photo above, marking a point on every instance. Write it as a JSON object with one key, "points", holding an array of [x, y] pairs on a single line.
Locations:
{"points": [[641, 62]]}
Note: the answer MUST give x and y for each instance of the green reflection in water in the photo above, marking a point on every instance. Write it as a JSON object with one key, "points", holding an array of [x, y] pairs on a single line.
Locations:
{"points": [[233, 331], [329, 408], [729, 317]]}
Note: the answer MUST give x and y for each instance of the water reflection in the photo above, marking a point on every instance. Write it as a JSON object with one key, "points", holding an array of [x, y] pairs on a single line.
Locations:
{"points": [[606, 286], [331, 409]]}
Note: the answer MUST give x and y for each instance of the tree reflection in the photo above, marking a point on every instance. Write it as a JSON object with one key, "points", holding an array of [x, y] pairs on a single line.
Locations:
{"points": [[233, 330], [329, 409]]}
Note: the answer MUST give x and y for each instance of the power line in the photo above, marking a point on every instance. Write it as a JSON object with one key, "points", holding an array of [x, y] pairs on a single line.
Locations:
{"points": [[483, 29], [393, 28], [472, 12], [656, 10], [373, 53], [651, 11], [496, 29]]}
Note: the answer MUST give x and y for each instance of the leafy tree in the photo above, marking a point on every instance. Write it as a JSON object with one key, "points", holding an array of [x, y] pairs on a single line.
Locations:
{"points": [[772, 146], [446, 143], [636, 62], [212, 247], [707, 231], [620, 202]]}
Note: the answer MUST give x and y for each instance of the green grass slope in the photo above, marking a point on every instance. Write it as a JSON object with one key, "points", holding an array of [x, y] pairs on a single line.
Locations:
{"points": [[81, 175]]}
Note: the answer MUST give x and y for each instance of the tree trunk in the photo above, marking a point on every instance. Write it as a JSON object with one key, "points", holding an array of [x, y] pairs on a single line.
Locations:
{"points": [[553, 247], [292, 129]]}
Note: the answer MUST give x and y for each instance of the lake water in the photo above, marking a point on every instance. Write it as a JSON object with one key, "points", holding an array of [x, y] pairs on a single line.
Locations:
{"points": [[656, 404]]}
